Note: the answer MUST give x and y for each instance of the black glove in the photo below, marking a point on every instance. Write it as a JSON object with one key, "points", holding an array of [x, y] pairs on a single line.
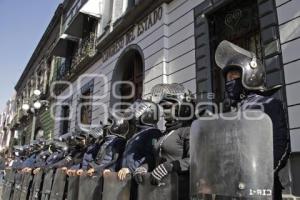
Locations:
{"points": [[160, 172], [139, 174]]}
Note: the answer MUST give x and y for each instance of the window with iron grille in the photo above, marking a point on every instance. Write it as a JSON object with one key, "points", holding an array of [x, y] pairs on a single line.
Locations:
{"points": [[253, 25], [65, 115], [85, 103], [238, 23]]}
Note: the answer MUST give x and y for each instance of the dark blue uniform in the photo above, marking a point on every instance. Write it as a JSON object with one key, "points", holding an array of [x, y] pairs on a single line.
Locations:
{"points": [[140, 151], [54, 158], [73, 158], [40, 160], [17, 163], [30, 161], [109, 154], [88, 157]]}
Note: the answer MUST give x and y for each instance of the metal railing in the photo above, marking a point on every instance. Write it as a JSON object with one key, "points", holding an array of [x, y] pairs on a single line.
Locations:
{"points": [[63, 70], [86, 49]]}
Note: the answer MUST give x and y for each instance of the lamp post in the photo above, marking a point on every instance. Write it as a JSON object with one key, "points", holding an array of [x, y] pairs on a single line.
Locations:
{"points": [[33, 108]]}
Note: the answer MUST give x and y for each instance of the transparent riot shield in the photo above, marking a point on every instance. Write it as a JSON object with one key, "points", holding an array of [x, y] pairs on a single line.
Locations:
{"points": [[35, 190], [168, 190], [58, 186], [47, 185], [90, 187], [8, 185], [73, 187], [18, 186], [295, 173], [26, 185], [232, 155], [116, 189]]}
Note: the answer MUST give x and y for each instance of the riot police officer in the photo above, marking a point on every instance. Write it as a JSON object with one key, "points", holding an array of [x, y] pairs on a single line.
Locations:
{"points": [[139, 120], [75, 157], [94, 140], [19, 157], [34, 150], [108, 156], [246, 87], [173, 148]]}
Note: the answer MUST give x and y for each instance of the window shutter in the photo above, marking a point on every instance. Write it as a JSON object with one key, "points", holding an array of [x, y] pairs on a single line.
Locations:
{"points": [[107, 13], [272, 56], [203, 58], [117, 9]]}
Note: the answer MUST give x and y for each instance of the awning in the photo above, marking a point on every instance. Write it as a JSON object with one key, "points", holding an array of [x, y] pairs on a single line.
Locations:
{"points": [[89, 9], [64, 42]]}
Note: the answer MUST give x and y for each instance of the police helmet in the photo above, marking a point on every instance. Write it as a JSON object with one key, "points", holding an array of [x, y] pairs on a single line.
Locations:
{"points": [[168, 95], [253, 75]]}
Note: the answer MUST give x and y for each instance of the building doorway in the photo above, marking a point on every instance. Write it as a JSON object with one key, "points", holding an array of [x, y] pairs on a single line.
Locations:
{"points": [[128, 77]]}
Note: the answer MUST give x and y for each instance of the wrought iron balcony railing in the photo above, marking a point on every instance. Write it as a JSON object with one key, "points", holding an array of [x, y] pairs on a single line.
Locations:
{"points": [[86, 49], [63, 70]]}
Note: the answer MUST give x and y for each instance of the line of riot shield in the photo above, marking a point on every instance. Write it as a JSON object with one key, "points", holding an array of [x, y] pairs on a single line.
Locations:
{"points": [[47, 185], [18, 186], [116, 189], [58, 186], [26, 185], [232, 155], [36, 186], [73, 187], [9, 181], [167, 190], [90, 187], [5, 181], [295, 173]]}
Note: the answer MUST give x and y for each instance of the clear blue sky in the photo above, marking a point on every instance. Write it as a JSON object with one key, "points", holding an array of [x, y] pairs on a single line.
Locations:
{"points": [[22, 24]]}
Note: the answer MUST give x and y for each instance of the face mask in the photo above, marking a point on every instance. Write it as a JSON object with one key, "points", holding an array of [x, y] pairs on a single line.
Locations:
{"points": [[234, 89]]}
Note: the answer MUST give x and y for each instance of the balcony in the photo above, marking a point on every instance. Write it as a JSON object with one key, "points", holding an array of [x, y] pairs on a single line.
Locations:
{"points": [[79, 15], [85, 50], [73, 64], [63, 44], [18, 117], [63, 71]]}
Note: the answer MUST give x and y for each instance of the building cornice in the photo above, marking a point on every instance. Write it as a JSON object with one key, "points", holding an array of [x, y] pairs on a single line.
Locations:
{"points": [[131, 17]]}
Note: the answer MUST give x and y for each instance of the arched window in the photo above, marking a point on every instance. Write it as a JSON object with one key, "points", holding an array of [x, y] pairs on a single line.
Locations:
{"points": [[129, 68]]}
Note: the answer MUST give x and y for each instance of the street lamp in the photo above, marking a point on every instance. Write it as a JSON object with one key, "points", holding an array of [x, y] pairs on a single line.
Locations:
{"points": [[37, 93], [25, 107], [35, 106]]}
